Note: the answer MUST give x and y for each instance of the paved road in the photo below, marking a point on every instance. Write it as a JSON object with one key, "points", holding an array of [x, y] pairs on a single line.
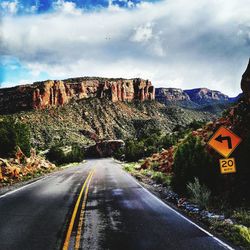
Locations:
{"points": [[119, 214]]}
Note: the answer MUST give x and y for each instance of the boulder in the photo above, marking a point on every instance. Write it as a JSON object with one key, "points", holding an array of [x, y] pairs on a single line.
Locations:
{"points": [[106, 148]]}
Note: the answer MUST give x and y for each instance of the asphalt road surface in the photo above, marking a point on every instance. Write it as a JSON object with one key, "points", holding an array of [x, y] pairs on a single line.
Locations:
{"points": [[95, 205]]}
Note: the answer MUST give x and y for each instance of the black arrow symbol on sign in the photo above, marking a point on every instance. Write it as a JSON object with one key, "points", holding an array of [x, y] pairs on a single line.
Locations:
{"points": [[221, 138]]}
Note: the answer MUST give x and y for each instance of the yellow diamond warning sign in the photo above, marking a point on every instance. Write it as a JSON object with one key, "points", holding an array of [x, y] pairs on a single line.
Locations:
{"points": [[224, 141], [227, 166]]}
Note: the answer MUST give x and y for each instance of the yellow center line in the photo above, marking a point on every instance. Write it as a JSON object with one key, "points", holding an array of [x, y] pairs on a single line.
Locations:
{"points": [[81, 219], [72, 221]]}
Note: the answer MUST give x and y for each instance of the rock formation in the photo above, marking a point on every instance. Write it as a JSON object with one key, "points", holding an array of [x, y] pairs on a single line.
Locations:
{"points": [[173, 96], [105, 148], [245, 83], [206, 96], [46, 94]]}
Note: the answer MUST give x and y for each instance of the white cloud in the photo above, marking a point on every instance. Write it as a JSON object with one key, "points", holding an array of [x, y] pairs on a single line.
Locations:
{"points": [[66, 7], [143, 33], [173, 43], [9, 7]]}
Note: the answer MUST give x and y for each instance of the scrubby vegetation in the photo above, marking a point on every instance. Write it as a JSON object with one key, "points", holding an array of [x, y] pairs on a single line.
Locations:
{"points": [[238, 234], [184, 162], [152, 140], [158, 177], [199, 194], [13, 134], [192, 160], [58, 156]]}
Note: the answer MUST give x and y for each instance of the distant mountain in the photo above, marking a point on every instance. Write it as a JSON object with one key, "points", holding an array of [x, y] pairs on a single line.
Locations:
{"points": [[204, 96], [174, 96], [201, 98]]}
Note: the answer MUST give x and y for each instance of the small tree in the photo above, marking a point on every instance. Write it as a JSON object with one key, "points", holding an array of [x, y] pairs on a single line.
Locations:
{"points": [[192, 160], [56, 155], [13, 134]]}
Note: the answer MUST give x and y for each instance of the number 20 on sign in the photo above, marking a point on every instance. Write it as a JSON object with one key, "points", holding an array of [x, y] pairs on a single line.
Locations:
{"points": [[227, 166]]}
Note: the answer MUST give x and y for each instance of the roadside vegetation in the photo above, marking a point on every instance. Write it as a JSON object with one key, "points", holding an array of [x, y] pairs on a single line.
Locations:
{"points": [[20, 162], [13, 135], [152, 140], [182, 162], [59, 156]]}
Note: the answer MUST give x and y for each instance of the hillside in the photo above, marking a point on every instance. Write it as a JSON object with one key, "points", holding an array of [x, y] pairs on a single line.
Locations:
{"points": [[88, 120]]}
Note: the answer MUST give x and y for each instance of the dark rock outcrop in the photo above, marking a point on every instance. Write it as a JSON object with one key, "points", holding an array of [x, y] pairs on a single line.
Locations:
{"points": [[245, 83], [46, 94], [106, 148]]}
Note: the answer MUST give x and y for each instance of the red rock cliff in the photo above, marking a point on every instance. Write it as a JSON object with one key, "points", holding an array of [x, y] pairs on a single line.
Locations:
{"points": [[46, 94]]}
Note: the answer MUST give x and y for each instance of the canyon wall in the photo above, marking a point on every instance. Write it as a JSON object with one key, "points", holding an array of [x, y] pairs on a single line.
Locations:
{"points": [[245, 83], [51, 93]]}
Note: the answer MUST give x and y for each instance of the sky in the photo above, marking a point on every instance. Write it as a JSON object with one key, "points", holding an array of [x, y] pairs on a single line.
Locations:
{"points": [[173, 43]]}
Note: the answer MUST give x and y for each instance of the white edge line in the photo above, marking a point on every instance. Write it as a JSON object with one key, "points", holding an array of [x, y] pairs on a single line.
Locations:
{"points": [[23, 187], [182, 216]]}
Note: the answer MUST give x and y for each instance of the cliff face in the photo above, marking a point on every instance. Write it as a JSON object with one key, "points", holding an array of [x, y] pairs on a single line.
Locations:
{"points": [[46, 94], [245, 83]]}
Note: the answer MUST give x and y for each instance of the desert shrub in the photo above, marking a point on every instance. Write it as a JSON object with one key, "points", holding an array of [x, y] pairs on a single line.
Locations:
{"points": [[75, 155], [57, 155], [155, 165], [192, 160], [145, 146], [12, 135], [242, 234], [161, 178], [238, 234], [129, 167], [134, 150], [195, 124], [242, 216], [199, 193], [168, 140]]}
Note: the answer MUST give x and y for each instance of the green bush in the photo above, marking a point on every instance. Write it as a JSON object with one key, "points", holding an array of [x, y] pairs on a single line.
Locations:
{"points": [[199, 194], [75, 155], [161, 178], [129, 167], [242, 235], [57, 155], [144, 146], [12, 135], [155, 165], [242, 216], [237, 234], [191, 160]]}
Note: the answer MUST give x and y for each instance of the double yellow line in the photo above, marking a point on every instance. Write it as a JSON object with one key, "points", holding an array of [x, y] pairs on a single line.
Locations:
{"points": [[82, 213]]}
